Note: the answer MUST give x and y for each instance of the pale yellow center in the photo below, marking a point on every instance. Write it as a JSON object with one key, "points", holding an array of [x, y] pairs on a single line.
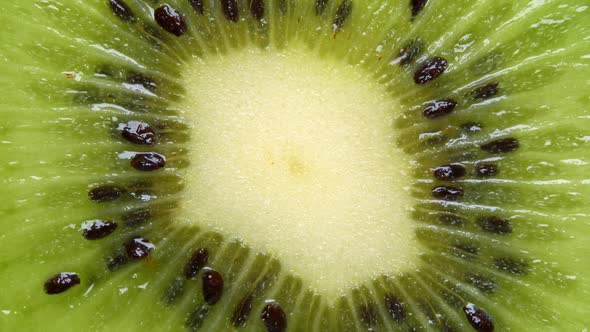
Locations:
{"points": [[296, 156]]}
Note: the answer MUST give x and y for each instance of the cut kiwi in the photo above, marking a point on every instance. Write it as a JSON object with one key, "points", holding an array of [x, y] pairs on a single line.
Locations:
{"points": [[280, 165]]}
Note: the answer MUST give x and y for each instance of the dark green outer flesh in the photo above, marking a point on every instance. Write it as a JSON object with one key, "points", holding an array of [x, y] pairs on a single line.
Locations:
{"points": [[55, 144]]}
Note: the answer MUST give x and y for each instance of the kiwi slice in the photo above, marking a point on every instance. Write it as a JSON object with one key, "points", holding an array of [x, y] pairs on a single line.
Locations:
{"points": [[309, 165]]}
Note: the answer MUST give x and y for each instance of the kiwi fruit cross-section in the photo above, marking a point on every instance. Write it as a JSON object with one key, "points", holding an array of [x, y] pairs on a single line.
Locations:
{"points": [[295, 165]]}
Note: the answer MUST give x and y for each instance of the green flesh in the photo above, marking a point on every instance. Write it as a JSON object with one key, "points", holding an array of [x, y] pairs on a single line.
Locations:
{"points": [[56, 144]]}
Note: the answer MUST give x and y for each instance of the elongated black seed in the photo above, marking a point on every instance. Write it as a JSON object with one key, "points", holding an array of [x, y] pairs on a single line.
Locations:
{"points": [[449, 172], [395, 307], [368, 314], [342, 14], [478, 318], [196, 263], [138, 78], [197, 317], [242, 311], [274, 318], [138, 132], [320, 6], [230, 10], [511, 265], [483, 284], [137, 217], [105, 193], [120, 8], [138, 248], [409, 52], [99, 229], [257, 9], [486, 170], [417, 6], [197, 6], [495, 225], [450, 219], [149, 161], [447, 193], [467, 248], [170, 20], [61, 282], [439, 108], [212, 286], [430, 70], [486, 91], [503, 145]]}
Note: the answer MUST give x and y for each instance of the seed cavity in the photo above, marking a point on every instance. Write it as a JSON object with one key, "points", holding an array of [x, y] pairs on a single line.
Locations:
{"points": [[368, 314], [138, 78], [197, 6], [450, 219], [467, 248], [122, 10], [138, 132], [212, 286], [449, 172], [342, 14], [105, 193], [320, 6], [486, 91], [242, 311], [174, 291], [409, 52], [149, 161], [274, 317], [137, 217], [495, 225], [511, 265], [170, 20], [197, 317], [196, 263], [138, 248], [61, 282], [98, 229], [257, 9], [117, 261], [503, 145], [483, 284], [478, 318], [486, 170], [439, 108], [430, 70], [395, 307], [447, 193], [417, 6], [230, 10]]}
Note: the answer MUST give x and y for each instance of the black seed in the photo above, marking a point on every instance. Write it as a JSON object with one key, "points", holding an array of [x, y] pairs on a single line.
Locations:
{"points": [[450, 219], [170, 20], [320, 6], [486, 170], [136, 217], [483, 284], [486, 91], [61, 282], [196, 318], [478, 318], [174, 291], [447, 193], [105, 193], [138, 78], [510, 265], [342, 14], [230, 10], [368, 314], [257, 9], [430, 70], [120, 8], [503, 145], [212, 286], [417, 6], [197, 5], [449, 172], [196, 263], [274, 318], [471, 127], [138, 132], [467, 248], [395, 307], [242, 311], [138, 248], [409, 52], [495, 225], [148, 161], [439, 108], [99, 229], [116, 262]]}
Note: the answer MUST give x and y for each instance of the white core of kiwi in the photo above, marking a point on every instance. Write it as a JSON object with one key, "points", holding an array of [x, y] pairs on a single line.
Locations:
{"points": [[296, 156]]}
